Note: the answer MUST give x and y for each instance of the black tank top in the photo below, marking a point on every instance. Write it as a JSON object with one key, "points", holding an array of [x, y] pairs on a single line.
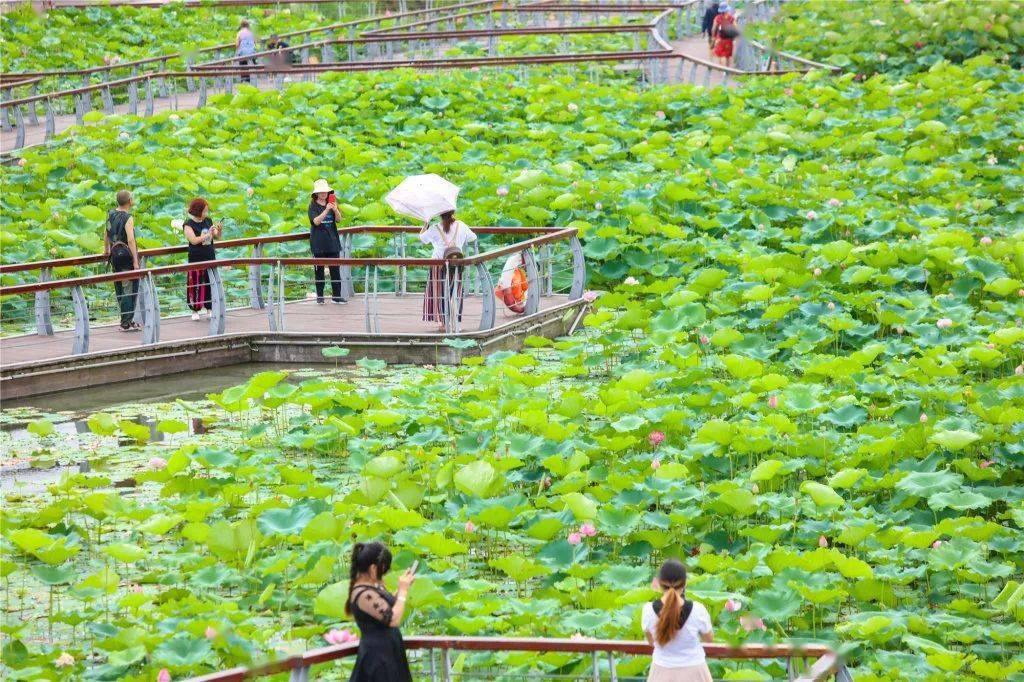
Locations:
{"points": [[116, 230]]}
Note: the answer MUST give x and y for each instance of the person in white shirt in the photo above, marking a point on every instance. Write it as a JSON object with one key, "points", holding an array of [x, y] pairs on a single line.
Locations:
{"points": [[444, 283], [676, 626]]}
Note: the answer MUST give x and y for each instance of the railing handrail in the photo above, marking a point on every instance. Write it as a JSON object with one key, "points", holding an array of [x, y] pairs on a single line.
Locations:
{"points": [[552, 235], [713, 650], [252, 241]]}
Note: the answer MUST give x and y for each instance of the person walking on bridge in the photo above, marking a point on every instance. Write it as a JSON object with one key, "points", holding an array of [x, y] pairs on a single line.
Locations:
{"points": [[708, 24], [245, 47], [725, 32], [123, 255]]}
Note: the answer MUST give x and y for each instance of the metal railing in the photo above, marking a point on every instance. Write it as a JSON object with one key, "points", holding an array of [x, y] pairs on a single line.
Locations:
{"points": [[598, 659], [389, 289]]}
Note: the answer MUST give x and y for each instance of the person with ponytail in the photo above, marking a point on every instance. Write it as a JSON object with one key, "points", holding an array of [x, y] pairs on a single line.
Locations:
{"points": [[378, 613], [676, 626]]}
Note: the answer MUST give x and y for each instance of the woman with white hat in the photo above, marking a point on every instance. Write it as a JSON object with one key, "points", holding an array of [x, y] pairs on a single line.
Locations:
{"points": [[324, 239]]}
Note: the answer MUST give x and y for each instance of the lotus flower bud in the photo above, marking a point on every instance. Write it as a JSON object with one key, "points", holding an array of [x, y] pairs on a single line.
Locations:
{"points": [[923, 418], [470, 527], [732, 605], [572, 107], [1019, 370], [831, 305], [944, 323], [163, 676], [936, 544], [157, 463], [210, 633], [811, 215], [660, 114], [822, 541], [574, 539], [773, 401], [588, 530], [754, 489], [655, 463], [817, 272], [656, 438], [502, 191], [985, 241]]}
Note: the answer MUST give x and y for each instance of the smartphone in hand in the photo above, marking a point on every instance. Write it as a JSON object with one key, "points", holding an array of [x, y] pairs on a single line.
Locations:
{"points": [[415, 566], [331, 199]]}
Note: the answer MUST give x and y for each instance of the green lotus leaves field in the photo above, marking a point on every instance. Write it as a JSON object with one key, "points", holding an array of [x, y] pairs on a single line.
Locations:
{"points": [[897, 36], [84, 38], [804, 375]]}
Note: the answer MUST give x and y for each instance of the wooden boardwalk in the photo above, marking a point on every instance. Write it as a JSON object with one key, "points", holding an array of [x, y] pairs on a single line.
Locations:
{"points": [[397, 315]]}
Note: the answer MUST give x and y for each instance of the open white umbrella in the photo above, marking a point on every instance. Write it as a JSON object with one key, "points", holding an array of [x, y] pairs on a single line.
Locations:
{"points": [[423, 196]]}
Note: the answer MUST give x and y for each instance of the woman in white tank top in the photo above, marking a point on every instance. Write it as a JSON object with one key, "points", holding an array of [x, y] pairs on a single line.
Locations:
{"points": [[676, 627]]}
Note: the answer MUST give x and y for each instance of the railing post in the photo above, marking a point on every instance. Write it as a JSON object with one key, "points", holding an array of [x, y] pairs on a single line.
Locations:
{"points": [[376, 303], [613, 674], [133, 98], [255, 273], [300, 674], [595, 666], [446, 666], [579, 269], [366, 300], [347, 290], [81, 321], [218, 316], [533, 282], [488, 313], [19, 121], [44, 322], [108, 100], [149, 97], [202, 92], [272, 316], [151, 326]]}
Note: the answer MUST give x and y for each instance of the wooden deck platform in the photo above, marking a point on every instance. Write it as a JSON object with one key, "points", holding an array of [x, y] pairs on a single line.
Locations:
{"points": [[33, 365]]}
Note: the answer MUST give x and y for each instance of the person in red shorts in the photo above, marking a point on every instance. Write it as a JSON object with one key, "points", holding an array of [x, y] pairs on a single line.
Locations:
{"points": [[725, 32]]}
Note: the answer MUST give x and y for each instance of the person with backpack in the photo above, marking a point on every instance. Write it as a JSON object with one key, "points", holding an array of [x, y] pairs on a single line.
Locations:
{"points": [[725, 32], [444, 282], [123, 255], [200, 231], [676, 626]]}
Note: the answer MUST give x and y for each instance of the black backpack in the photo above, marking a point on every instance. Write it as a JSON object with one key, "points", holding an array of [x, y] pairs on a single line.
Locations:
{"points": [[684, 615], [729, 32]]}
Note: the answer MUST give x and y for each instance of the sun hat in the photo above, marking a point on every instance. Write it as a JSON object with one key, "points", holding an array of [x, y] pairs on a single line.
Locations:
{"points": [[724, 8], [321, 186]]}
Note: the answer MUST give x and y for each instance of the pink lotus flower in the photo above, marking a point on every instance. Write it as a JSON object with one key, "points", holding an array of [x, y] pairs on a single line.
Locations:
{"points": [[899, 330], [590, 296], [937, 544], [811, 215], [822, 541], [157, 463], [754, 489], [831, 305], [135, 588], [833, 202], [588, 530], [918, 45], [574, 538], [985, 241], [598, 206], [339, 637], [630, 281], [986, 464], [163, 676], [992, 160], [789, 92], [990, 346], [249, 191], [773, 401], [22, 162], [817, 272], [572, 107], [732, 606], [64, 660], [659, 114], [923, 418], [656, 438], [704, 339], [470, 527], [988, 26], [210, 633], [648, 186], [655, 463], [1019, 370], [751, 623], [944, 323], [502, 191]]}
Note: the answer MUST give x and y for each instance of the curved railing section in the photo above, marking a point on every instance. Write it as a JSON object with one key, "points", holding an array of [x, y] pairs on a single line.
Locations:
{"points": [[432, 658]]}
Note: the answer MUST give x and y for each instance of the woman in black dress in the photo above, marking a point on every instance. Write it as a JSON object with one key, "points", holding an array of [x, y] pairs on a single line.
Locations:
{"points": [[378, 613], [200, 231]]}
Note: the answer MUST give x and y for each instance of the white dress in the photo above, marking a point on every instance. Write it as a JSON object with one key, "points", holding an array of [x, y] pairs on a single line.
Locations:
{"points": [[458, 236]]}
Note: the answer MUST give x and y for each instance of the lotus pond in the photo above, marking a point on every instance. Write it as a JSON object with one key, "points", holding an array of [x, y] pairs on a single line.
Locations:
{"points": [[804, 375]]}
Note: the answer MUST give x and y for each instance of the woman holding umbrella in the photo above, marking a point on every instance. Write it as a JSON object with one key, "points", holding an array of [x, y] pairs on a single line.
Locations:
{"points": [[427, 197]]}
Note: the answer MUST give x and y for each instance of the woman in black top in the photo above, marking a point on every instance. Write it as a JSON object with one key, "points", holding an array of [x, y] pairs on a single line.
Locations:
{"points": [[324, 238], [200, 232], [378, 613], [123, 254]]}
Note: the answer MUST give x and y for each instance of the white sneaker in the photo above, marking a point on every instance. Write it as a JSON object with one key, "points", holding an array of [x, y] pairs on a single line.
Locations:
{"points": [[195, 317]]}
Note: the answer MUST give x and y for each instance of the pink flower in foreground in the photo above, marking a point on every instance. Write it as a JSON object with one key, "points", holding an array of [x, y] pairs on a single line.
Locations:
{"points": [[833, 202], [655, 463], [704, 339], [574, 538], [985, 241], [339, 637], [502, 191], [470, 527], [751, 623], [817, 272], [937, 544], [732, 605], [773, 401], [923, 418], [210, 633], [64, 660], [944, 323], [660, 114], [656, 438], [157, 463], [811, 215], [822, 541], [590, 296], [163, 676], [588, 530]]}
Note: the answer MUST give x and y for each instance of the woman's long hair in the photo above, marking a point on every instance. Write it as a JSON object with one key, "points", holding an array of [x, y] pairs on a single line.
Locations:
{"points": [[672, 578], [365, 555], [447, 220]]}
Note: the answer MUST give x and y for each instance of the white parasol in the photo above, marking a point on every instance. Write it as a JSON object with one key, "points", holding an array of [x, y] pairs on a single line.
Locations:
{"points": [[423, 196]]}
